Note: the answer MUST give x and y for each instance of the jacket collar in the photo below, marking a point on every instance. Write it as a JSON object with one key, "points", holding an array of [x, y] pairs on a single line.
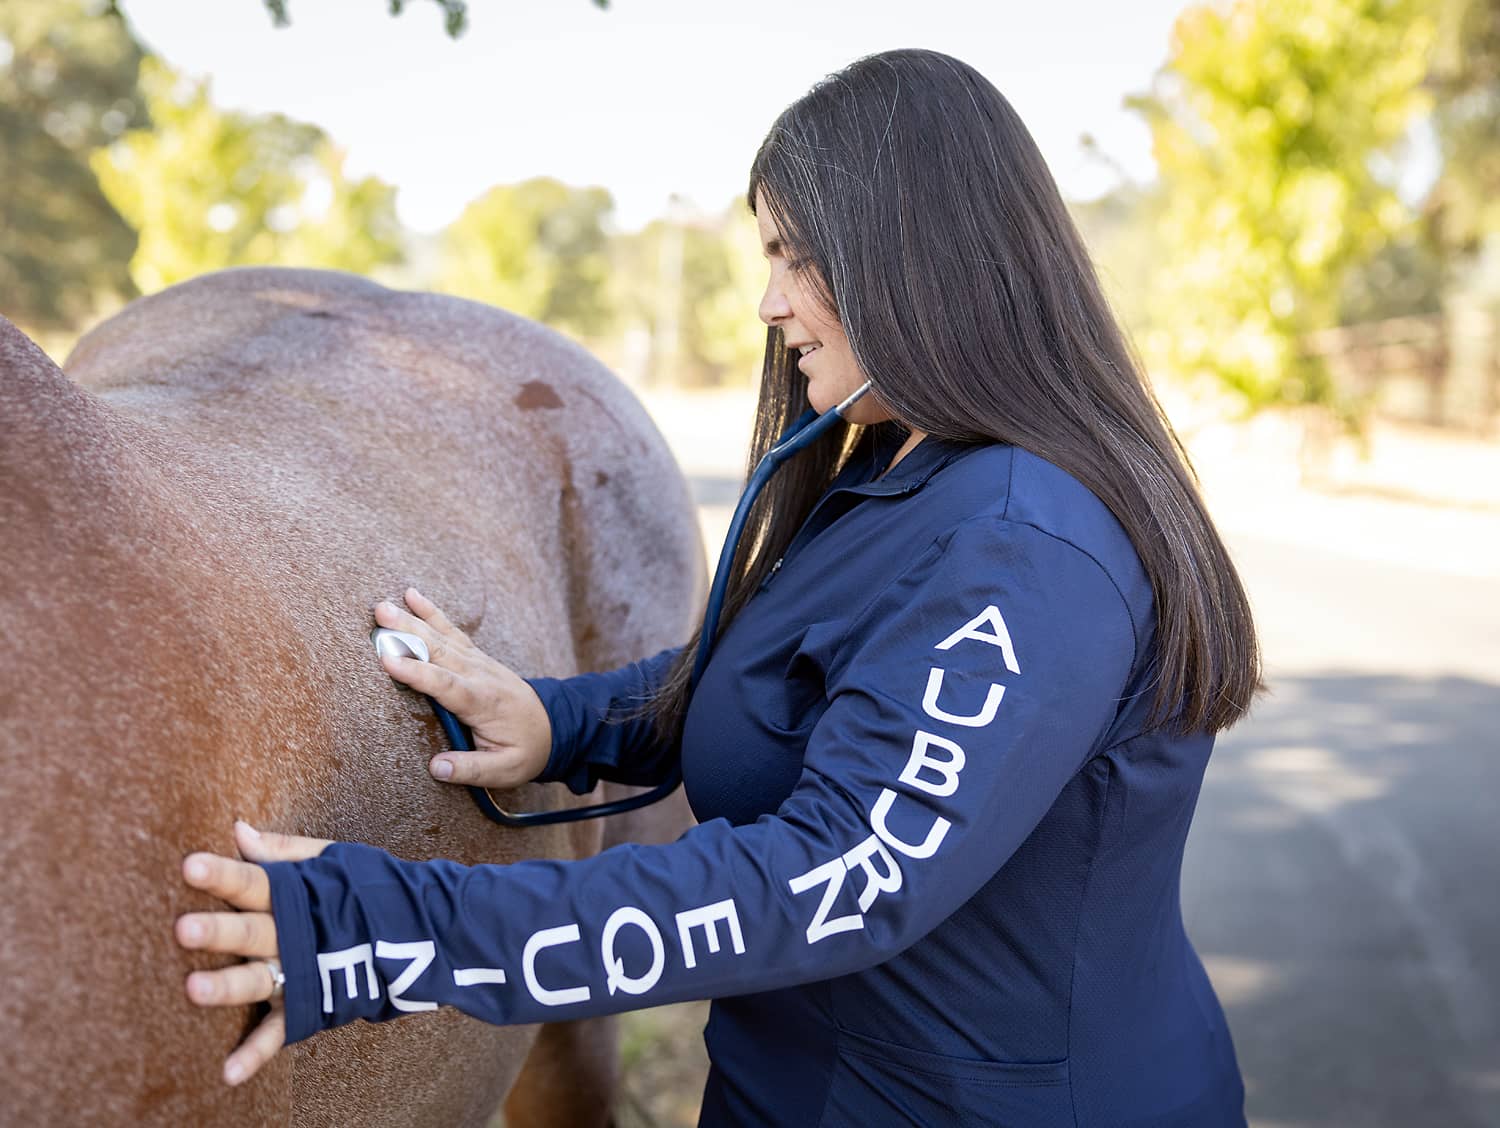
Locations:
{"points": [[874, 453]]}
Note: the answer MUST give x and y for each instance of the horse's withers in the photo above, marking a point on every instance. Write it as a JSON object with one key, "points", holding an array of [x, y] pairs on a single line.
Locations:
{"points": [[190, 550]]}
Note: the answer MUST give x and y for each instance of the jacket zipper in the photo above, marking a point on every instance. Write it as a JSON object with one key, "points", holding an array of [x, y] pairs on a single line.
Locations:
{"points": [[771, 575]]}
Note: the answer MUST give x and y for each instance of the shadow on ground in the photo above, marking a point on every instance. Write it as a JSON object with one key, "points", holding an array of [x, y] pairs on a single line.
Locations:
{"points": [[1340, 884]]}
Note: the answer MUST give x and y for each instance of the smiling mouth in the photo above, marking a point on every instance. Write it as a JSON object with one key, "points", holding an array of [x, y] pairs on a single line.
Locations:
{"points": [[805, 351]]}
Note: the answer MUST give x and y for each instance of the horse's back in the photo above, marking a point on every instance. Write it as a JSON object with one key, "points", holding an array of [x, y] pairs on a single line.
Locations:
{"points": [[191, 551]]}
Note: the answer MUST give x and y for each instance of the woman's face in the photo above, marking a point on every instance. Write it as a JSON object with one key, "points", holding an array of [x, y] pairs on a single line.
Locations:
{"points": [[791, 304]]}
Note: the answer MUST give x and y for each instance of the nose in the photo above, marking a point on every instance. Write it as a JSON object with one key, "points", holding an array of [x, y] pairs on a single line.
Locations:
{"points": [[774, 307]]}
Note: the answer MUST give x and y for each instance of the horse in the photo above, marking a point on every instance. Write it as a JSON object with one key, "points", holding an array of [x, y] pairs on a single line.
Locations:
{"points": [[195, 521]]}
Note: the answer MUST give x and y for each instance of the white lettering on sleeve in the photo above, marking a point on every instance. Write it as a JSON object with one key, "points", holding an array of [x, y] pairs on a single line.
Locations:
{"points": [[420, 954], [477, 976], [876, 882], [550, 938], [614, 967], [821, 927], [947, 770], [928, 846], [978, 720], [707, 917], [347, 960], [999, 636]]}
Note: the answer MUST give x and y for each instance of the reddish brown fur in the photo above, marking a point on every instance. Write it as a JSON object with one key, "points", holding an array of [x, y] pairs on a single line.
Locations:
{"points": [[190, 551]]}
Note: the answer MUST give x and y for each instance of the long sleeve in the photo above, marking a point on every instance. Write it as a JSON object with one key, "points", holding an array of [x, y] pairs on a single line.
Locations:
{"points": [[961, 700], [598, 731]]}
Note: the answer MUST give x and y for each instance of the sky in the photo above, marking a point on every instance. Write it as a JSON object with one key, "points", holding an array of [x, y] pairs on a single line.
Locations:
{"points": [[649, 98]]}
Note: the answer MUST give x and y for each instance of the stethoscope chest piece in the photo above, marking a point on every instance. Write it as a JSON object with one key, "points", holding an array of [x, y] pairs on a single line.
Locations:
{"points": [[399, 644], [798, 437]]}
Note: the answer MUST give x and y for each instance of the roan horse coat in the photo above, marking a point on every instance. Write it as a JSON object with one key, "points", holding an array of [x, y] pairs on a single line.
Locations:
{"points": [[193, 529]]}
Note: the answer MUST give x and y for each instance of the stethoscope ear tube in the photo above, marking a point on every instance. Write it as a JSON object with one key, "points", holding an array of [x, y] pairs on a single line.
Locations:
{"points": [[806, 430]]}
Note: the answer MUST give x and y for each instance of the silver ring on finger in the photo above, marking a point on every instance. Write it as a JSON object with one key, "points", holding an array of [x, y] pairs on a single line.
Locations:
{"points": [[278, 979]]}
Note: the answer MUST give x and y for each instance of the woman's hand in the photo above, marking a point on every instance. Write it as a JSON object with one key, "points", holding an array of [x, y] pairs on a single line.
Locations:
{"points": [[250, 932], [512, 734]]}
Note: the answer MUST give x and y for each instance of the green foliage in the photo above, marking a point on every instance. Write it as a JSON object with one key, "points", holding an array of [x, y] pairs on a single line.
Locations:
{"points": [[209, 188], [672, 303], [692, 287], [1270, 123], [539, 249], [67, 84]]}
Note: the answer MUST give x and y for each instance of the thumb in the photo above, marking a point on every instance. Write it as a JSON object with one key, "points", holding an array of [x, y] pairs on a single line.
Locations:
{"points": [[258, 846], [477, 769]]}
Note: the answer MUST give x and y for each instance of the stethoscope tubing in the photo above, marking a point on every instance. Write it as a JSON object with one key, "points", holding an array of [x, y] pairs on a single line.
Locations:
{"points": [[804, 431]]}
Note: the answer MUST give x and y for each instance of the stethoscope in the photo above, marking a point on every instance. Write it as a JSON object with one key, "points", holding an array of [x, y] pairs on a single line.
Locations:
{"points": [[804, 431]]}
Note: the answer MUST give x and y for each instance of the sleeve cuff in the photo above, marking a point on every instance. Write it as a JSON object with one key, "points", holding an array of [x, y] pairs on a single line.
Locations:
{"points": [[562, 766], [297, 944]]}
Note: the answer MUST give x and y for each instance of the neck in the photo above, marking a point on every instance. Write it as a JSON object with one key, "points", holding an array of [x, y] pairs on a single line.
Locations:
{"points": [[906, 448]]}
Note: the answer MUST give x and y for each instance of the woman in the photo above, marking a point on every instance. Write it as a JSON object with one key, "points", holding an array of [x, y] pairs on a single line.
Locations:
{"points": [[976, 649]]}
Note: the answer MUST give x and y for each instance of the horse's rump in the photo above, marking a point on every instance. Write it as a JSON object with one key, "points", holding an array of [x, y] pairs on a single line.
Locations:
{"points": [[190, 551]]}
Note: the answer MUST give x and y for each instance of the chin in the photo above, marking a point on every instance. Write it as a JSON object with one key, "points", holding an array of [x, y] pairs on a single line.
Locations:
{"points": [[818, 398], [865, 411]]}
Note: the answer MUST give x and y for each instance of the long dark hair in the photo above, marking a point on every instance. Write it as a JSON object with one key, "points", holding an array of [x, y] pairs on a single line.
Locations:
{"points": [[910, 186]]}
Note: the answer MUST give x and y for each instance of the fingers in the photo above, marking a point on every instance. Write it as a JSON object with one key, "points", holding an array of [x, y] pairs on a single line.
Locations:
{"points": [[268, 846], [242, 934], [428, 623], [387, 614], [235, 986], [476, 769], [242, 884], [450, 690], [256, 1050], [430, 613]]}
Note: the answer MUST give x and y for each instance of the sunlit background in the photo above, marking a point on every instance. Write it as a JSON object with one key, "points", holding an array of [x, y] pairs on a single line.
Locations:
{"points": [[1295, 205]]}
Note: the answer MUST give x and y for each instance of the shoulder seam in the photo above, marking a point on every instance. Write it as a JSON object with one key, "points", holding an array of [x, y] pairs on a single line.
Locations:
{"points": [[1135, 635], [1010, 479]]}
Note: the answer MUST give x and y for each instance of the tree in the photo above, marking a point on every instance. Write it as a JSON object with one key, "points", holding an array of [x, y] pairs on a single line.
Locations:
{"points": [[67, 85], [455, 12], [1465, 82], [724, 277], [690, 285], [1274, 125], [539, 248], [208, 188]]}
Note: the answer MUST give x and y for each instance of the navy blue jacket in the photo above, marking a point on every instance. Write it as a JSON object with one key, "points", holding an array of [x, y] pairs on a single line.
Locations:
{"points": [[936, 875]]}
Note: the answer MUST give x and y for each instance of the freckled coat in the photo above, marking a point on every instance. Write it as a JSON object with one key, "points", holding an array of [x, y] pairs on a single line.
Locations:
{"points": [[193, 534]]}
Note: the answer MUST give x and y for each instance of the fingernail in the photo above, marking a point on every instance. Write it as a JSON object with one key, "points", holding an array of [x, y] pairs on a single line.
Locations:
{"points": [[192, 931], [202, 988], [442, 769], [385, 605], [250, 830], [234, 1072]]}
